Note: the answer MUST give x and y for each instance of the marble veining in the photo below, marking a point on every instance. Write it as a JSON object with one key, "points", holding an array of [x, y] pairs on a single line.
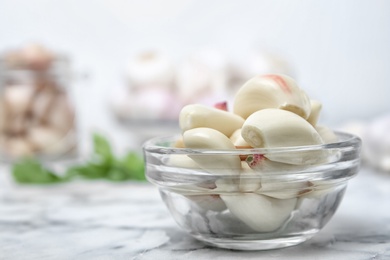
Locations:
{"points": [[102, 220]]}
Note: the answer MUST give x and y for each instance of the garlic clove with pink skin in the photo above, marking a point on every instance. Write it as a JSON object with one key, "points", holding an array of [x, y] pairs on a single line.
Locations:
{"points": [[195, 116], [261, 164], [259, 212], [271, 91], [221, 105]]}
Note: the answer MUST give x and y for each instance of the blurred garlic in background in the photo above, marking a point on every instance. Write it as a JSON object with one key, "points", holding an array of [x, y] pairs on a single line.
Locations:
{"points": [[36, 113], [256, 62], [150, 93], [156, 88], [203, 78], [376, 140]]}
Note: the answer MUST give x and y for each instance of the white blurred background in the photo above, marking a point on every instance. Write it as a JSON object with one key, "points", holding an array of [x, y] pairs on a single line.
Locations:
{"points": [[339, 49]]}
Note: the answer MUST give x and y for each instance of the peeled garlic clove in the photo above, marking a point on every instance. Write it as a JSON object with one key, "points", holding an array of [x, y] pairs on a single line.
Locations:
{"points": [[238, 141], [2, 116], [17, 98], [182, 161], [45, 139], [42, 104], [271, 91], [208, 202], [272, 128], [261, 164], [316, 107], [259, 212], [321, 188], [257, 165], [179, 143], [249, 179], [326, 134], [18, 147], [61, 115], [194, 116], [208, 138], [285, 190], [16, 125]]}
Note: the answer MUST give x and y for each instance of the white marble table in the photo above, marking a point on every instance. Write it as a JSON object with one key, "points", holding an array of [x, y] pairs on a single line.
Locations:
{"points": [[100, 220]]}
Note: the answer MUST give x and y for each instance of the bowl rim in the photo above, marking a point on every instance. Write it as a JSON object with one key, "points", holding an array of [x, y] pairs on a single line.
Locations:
{"points": [[347, 140]]}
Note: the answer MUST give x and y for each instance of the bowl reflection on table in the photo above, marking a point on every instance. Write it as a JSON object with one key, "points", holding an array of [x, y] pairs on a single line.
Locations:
{"points": [[252, 208]]}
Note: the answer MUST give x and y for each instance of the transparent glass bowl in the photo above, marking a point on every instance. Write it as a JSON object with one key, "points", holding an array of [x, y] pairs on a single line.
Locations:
{"points": [[271, 206]]}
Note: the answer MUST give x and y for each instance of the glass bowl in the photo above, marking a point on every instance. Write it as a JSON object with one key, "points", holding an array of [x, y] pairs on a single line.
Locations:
{"points": [[273, 205]]}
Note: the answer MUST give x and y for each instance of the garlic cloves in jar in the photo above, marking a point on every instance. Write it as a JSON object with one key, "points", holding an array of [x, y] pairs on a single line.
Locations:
{"points": [[36, 117]]}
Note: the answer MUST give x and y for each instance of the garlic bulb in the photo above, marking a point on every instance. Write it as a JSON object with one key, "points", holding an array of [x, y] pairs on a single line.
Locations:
{"points": [[150, 69]]}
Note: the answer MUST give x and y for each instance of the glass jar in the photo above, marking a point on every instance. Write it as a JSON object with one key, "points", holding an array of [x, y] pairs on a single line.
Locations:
{"points": [[37, 116]]}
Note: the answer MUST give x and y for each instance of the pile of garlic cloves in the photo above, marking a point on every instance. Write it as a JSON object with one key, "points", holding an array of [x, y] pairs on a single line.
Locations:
{"points": [[36, 113], [269, 111]]}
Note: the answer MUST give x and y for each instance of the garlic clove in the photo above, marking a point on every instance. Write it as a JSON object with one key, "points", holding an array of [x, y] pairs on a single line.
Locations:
{"points": [[261, 213], [182, 161], [208, 138], [16, 125], [17, 147], [42, 104], [326, 134], [46, 140], [37, 57], [316, 107], [208, 202], [153, 104], [195, 116], [2, 116], [285, 190], [271, 91], [272, 128], [238, 141], [17, 99], [61, 115]]}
